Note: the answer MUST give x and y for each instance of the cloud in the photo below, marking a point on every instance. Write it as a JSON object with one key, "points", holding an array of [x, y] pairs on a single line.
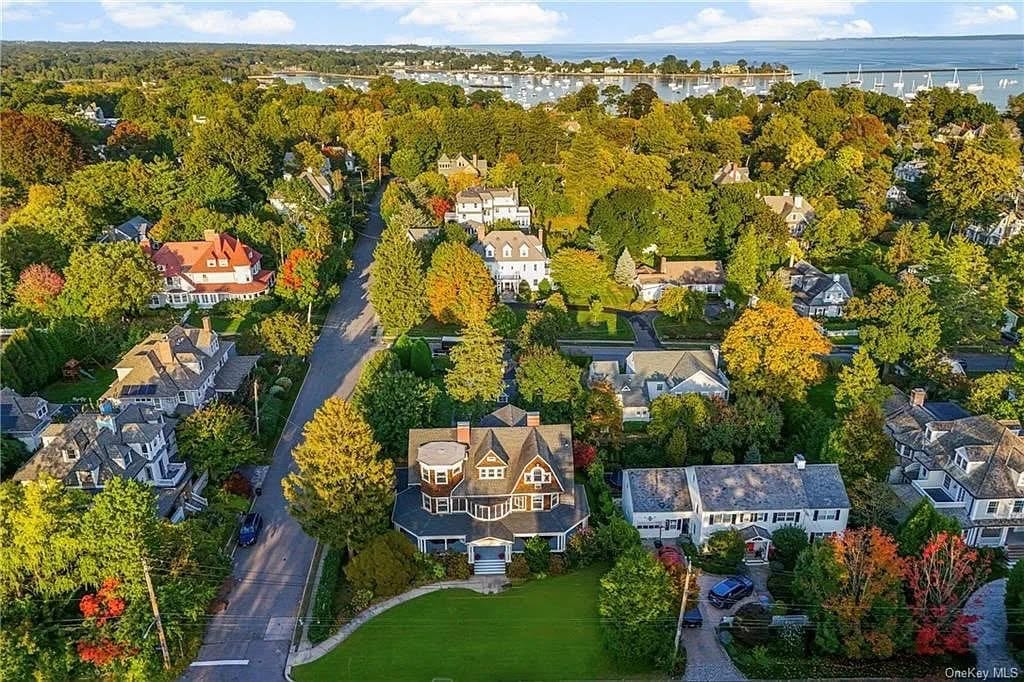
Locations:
{"points": [[23, 10], [488, 22], [143, 15], [78, 26], [981, 16], [771, 20]]}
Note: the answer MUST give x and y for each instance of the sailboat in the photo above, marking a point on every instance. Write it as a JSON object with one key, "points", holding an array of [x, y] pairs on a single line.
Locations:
{"points": [[898, 83], [954, 84], [855, 82], [977, 87], [879, 85], [927, 85]]}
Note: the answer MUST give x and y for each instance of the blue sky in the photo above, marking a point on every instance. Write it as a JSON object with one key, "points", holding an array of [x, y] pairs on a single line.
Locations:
{"points": [[455, 22]]}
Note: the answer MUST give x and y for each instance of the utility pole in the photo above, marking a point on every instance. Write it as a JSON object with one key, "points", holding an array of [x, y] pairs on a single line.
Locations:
{"points": [[256, 401], [682, 608], [156, 616]]}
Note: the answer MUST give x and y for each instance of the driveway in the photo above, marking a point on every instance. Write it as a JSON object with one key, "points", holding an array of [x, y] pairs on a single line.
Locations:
{"points": [[706, 660], [989, 630], [250, 639]]}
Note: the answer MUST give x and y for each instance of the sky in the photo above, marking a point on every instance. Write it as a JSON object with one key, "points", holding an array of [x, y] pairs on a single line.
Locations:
{"points": [[477, 22]]}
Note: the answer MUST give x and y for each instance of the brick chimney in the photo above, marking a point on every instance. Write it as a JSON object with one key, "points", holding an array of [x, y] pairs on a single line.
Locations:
{"points": [[462, 432], [533, 418], [918, 396], [207, 326]]}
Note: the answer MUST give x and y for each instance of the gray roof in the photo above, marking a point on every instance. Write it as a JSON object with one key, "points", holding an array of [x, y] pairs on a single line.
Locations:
{"points": [[671, 366], [765, 487], [18, 414], [234, 372], [659, 490], [131, 230], [508, 415], [809, 284]]}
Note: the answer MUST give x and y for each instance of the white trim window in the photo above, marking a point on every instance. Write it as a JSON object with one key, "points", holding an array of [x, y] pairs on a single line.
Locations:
{"points": [[960, 461], [490, 473], [753, 517], [537, 502], [826, 514], [441, 477], [442, 505], [537, 476], [718, 519], [786, 517], [993, 507], [426, 503], [424, 473], [519, 502], [1018, 506]]}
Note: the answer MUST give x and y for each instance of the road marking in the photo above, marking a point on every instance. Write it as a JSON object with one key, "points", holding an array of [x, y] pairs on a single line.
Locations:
{"points": [[226, 661]]}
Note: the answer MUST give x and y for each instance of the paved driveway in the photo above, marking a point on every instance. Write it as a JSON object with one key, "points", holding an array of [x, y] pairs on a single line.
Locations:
{"points": [[990, 630], [250, 639]]}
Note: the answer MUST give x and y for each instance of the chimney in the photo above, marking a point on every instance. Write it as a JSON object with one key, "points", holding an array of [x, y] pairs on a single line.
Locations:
{"points": [[715, 351], [207, 327], [209, 235], [798, 201], [533, 418], [918, 396], [481, 231], [835, 277], [800, 461], [785, 192], [462, 432]]}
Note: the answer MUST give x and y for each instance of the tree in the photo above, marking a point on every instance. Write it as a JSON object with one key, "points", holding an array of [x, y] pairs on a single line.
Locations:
{"points": [[873, 503], [1014, 603], [854, 584], [996, 395], [656, 134], [773, 351], [788, 542], [586, 167], [897, 322], [459, 285], [625, 269], [859, 444], [913, 243], [285, 334], [940, 582], [682, 304], [421, 360], [723, 551], [583, 454], [961, 185], [922, 526], [744, 268], [579, 273], [548, 380], [477, 369], [397, 292], [119, 530], [637, 609], [38, 288], [37, 149], [107, 281], [859, 383], [342, 492], [386, 567], [601, 419], [969, 295], [13, 454], [217, 438], [298, 280], [538, 554]]}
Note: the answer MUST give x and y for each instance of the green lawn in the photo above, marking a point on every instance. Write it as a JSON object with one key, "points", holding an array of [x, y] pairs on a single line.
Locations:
{"points": [[543, 630], [232, 325], [669, 329], [822, 397], [85, 388], [432, 327], [609, 327]]}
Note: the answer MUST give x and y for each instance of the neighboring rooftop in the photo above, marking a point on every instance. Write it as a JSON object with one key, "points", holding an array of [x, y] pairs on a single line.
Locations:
{"points": [[766, 487], [659, 490]]}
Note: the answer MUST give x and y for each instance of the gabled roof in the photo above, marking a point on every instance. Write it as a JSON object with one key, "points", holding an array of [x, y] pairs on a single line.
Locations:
{"points": [[18, 413], [673, 366], [808, 283], [184, 258], [683, 272], [514, 239], [507, 415], [785, 204], [133, 229], [659, 490], [767, 487]]}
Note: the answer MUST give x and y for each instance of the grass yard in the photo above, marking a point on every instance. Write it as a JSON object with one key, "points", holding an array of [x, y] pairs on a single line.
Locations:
{"points": [[547, 629], [85, 389], [669, 329], [230, 326], [822, 397], [608, 327], [431, 327]]}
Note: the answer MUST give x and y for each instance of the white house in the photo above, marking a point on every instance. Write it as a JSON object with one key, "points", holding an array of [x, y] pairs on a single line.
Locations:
{"points": [[796, 211], [489, 205], [730, 174], [968, 467], [650, 374], [23, 418], [897, 196], [910, 171], [1009, 225], [707, 276], [816, 293], [513, 257], [755, 499], [94, 113]]}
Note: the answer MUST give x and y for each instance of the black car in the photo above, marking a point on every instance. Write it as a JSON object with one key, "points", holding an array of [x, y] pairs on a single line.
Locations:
{"points": [[693, 618], [252, 524], [731, 590]]}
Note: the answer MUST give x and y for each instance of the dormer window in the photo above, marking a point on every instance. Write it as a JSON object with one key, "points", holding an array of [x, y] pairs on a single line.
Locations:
{"points": [[145, 448], [960, 461], [524, 251], [84, 478], [1018, 506], [160, 268], [537, 476], [489, 251], [507, 251], [223, 262], [211, 263]]}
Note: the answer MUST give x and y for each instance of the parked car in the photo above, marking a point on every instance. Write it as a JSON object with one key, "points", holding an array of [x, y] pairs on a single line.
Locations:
{"points": [[731, 590], [252, 524], [693, 618]]}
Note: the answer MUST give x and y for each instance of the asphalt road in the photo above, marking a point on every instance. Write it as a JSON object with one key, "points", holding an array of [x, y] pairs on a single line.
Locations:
{"points": [[257, 625]]}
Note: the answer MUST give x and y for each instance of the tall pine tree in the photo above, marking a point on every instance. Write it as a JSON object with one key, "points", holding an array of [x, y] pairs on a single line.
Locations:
{"points": [[477, 370], [625, 269], [397, 291]]}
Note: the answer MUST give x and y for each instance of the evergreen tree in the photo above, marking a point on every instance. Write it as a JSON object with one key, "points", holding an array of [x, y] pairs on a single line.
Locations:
{"points": [[625, 269], [477, 368], [420, 359], [859, 383], [397, 291]]}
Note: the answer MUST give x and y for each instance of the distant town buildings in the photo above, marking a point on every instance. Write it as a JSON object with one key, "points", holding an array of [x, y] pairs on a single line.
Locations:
{"points": [[132, 230], [94, 113], [730, 174], [707, 276], [910, 171], [489, 205], [1009, 225], [219, 268]]}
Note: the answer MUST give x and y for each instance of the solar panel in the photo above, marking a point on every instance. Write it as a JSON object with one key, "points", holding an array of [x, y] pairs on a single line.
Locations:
{"points": [[138, 390], [7, 417]]}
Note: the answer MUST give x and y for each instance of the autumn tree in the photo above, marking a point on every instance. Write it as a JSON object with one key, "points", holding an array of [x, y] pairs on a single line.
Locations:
{"points": [[940, 581], [969, 295], [961, 185], [108, 281], [459, 285], [579, 273], [854, 584], [397, 291], [601, 418], [37, 149], [217, 438], [477, 368], [913, 243], [775, 352], [298, 280], [341, 492], [682, 304], [284, 333], [38, 288]]}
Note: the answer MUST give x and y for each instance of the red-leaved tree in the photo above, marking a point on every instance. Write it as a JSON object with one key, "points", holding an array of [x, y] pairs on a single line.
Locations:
{"points": [[940, 582], [38, 287], [298, 280], [99, 609], [101, 652], [583, 454], [439, 206]]}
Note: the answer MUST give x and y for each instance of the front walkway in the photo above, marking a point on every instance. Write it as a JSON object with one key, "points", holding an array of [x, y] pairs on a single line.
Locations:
{"points": [[706, 658], [481, 584], [989, 630]]}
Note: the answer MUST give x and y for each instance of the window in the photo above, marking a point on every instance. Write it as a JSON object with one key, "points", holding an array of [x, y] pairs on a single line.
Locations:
{"points": [[492, 472], [507, 251], [211, 263], [519, 502], [826, 515], [946, 480], [223, 262], [145, 448], [458, 504], [754, 517], [960, 461], [786, 517], [424, 473], [489, 251], [993, 507], [524, 251], [441, 477], [426, 502], [537, 476], [442, 505], [554, 500], [537, 502], [716, 519], [1018, 506]]}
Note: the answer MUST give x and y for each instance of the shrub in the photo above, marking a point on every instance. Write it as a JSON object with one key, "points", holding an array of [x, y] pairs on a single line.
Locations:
{"points": [[421, 362], [518, 568], [359, 601], [582, 548], [787, 543], [615, 538], [428, 569], [722, 457], [723, 552], [583, 454], [237, 484], [557, 565], [386, 567], [455, 566], [324, 617], [781, 586], [283, 382], [276, 390], [751, 623], [537, 553]]}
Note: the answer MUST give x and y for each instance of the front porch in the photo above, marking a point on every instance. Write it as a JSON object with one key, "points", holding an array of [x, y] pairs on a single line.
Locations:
{"points": [[757, 542]]}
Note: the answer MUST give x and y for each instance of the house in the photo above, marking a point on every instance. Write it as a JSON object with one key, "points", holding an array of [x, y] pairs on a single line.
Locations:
{"points": [[132, 230], [218, 268], [132, 441], [419, 234], [968, 467], [513, 257], [910, 171], [488, 206], [959, 132], [730, 174], [1009, 225], [448, 166], [699, 275], [318, 178], [94, 113], [649, 374], [755, 499], [24, 418], [816, 293], [484, 490], [795, 211], [896, 196], [178, 371]]}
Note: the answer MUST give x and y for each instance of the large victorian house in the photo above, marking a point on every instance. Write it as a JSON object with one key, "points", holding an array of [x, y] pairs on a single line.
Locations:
{"points": [[485, 490], [513, 258]]}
